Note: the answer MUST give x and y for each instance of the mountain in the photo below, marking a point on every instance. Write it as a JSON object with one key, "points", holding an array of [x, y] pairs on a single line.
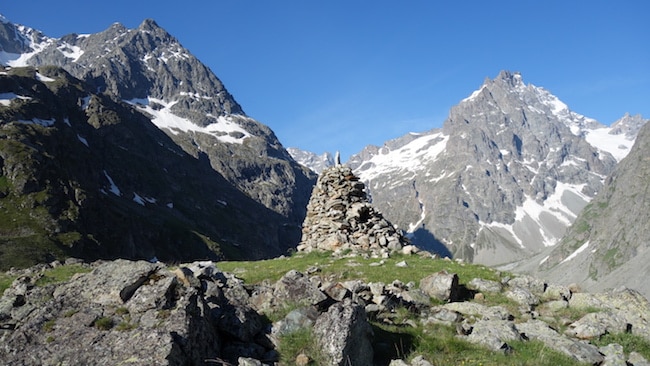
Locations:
{"points": [[84, 175], [150, 69], [508, 172], [177, 170], [316, 163], [607, 246]]}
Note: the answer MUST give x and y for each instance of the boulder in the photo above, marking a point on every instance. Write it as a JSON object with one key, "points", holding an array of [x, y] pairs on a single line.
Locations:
{"points": [[442, 286], [522, 296], [494, 334], [530, 283], [594, 325], [482, 285], [614, 355], [581, 351], [344, 335]]}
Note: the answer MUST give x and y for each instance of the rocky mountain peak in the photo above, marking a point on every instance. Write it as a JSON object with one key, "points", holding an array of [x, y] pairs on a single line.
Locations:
{"points": [[628, 125], [317, 163], [149, 69], [507, 173], [150, 25], [512, 79]]}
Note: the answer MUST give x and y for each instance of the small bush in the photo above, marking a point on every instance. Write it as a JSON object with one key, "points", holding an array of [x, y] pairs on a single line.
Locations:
{"points": [[124, 326], [70, 313], [104, 323], [49, 325]]}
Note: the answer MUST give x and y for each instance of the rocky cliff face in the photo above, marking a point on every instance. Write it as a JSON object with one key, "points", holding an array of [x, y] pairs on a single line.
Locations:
{"points": [[82, 174], [506, 175], [150, 69], [608, 244]]}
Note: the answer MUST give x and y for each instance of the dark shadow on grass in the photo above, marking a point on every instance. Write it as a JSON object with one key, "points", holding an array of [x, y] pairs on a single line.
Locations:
{"points": [[391, 345]]}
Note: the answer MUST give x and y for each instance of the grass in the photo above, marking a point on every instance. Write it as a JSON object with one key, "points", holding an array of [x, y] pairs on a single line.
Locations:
{"points": [[49, 325], [629, 341], [5, 282], [299, 342], [355, 268], [60, 274], [438, 344], [104, 323]]}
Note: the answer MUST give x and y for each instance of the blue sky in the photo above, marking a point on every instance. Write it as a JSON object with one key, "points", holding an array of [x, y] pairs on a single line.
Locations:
{"points": [[339, 75]]}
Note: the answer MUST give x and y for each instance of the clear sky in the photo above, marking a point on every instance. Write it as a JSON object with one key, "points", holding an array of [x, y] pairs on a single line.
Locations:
{"points": [[342, 74]]}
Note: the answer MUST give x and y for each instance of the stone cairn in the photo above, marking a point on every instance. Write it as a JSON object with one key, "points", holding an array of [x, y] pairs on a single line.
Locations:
{"points": [[340, 218]]}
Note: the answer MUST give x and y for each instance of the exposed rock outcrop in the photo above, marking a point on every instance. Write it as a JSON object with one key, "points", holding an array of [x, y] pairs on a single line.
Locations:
{"points": [[145, 313], [340, 218]]}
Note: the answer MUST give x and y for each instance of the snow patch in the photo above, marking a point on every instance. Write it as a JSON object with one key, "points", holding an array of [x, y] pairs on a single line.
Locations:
{"points": [[225, 129], [137, 199], [85, 102], [577, 251], [423, 215], [83, 140], [71, 51], [617, 145], [6, 98], [474, 94], [114, 188], [406, 159], [43, 78]]}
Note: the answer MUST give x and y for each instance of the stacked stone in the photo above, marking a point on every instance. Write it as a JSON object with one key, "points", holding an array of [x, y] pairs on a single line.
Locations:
{"points": [[340, 218]]}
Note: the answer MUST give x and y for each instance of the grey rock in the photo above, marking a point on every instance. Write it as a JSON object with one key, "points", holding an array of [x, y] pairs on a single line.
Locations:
{"points": [[614, 355], [338, 292], [493, 334], [532, 284], [442, 316], [636, 359], [245, 361], [300, 318], [176, 329], [593, 325], [522, 296], [344, 335], [240, 322], [442, 286], [555, 305], [482, 285], [420, 361], [479, 311], [295, 287], [556, 292], [112, 283], [581, 351]]}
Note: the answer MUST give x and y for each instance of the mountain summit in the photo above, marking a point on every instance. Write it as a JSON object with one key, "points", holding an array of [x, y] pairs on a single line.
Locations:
{"points": [[150, 69], [503, 178], [144, 82]]}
